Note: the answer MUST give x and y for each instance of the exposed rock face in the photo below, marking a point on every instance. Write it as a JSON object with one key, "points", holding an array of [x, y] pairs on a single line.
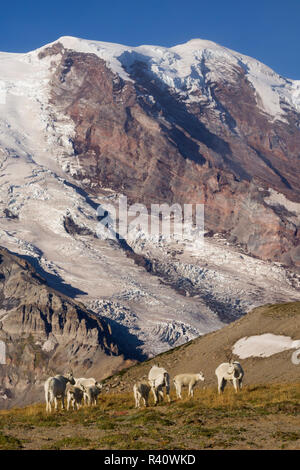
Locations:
{"points": [[45, 333], [224, 151], [186, 124]]}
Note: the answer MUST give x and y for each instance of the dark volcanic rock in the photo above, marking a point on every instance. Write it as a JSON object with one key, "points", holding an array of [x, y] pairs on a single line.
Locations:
{"points": [[73, 229]]}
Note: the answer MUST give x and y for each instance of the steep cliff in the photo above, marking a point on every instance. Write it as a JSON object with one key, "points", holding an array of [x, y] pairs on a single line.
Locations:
{"points": [[82, 122], [223, 135], [46, 333]]}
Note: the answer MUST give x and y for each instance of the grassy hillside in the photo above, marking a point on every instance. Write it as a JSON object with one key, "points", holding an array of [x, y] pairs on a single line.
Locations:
{"points": [[259, 417], [207, 352], [264, 415]]}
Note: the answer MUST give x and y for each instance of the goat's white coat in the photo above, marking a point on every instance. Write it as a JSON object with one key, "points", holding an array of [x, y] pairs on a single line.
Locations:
{"points": [[91, 392], [187, 380], [232, 372], [74, 397], [141, 391], [158, 378], [55, 387], [85, 382]]}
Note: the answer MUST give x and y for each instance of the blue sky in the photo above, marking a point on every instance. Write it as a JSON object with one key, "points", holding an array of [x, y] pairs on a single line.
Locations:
{"points": [[268, 30]]}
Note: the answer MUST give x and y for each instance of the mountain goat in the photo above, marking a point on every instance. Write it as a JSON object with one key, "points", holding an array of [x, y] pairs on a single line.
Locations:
{"points": [[188, 380], [55, 387], [158, 378], [74, 397], [232, 372], [85, 382], [91, 392], [141, 391]]}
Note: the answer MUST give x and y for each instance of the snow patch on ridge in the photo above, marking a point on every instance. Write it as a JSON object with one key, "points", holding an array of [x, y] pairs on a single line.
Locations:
{"points": [[263, 345]]}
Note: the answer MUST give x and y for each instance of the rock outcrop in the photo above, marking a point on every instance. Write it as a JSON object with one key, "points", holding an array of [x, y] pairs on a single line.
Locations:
{"points": [[215, 145], [46, 333]]}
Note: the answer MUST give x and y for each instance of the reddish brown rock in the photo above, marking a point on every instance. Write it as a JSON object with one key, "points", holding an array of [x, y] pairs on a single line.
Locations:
{"points": [[172, 151]]}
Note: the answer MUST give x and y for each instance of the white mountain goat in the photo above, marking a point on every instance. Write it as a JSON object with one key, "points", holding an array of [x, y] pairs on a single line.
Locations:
{"points": [[91, 392], [87, 383], [84, 381], [158, 378], [55, 387], [74, 397], [141, 390], [187, 380], [232, 372]]}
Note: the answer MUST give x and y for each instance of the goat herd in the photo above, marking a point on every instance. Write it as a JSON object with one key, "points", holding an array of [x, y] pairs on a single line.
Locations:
{"points": [[86, 391]]}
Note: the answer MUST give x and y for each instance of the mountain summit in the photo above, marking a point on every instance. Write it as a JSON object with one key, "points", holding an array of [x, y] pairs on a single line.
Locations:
{"points": [[192, 123], [82, 122]]}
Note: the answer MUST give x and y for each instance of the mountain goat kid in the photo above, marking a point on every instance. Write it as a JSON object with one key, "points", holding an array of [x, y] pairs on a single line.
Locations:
{"points": [[87, 383], [74, 397], [187, 380], [91, 392], [141, 390]]}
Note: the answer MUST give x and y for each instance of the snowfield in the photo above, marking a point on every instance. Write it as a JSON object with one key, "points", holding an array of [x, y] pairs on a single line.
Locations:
{"points": [[195, 288], [263, 345]]}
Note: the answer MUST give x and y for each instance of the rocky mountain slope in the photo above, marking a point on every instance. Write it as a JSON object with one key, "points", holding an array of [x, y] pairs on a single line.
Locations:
{"points": [[82, 122], [275, 330], [193, 123], [44, 333]]}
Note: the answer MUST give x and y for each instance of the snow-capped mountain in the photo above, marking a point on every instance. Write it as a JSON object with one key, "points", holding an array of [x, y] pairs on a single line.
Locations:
{"points": [[190, 69], [82, 122]]}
